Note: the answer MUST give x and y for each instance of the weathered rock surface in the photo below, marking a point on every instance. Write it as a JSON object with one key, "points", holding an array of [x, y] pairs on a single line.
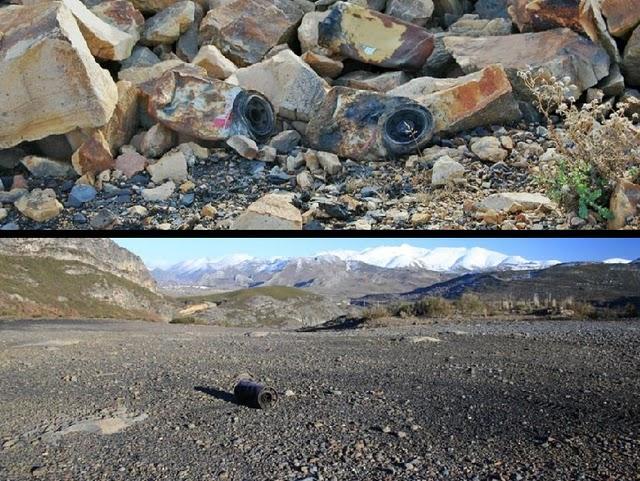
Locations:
{"points": [[160, 193], [371, 37], [172, 166], [122, 15], [272, 211], [291, 85], [143, 73], [131, 163], [622, 15], [167, 26], [624, 203], [417, 12], [155, 141], [308, 31], [539, 15], [104, 40], [93, 156], [152, 6], [39, 205], [508, 201], [444, 170], [217, 65], [473, 26], [49, 81], [489, 149], [560, 52], [123, 123], [382, 82], [323, 66], [245, 30], [244, 146], [43, 167], [631, 59]]}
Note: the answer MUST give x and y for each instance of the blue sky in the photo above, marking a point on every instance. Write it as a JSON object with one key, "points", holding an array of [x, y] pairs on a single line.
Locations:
{"points": [[166, 251]]}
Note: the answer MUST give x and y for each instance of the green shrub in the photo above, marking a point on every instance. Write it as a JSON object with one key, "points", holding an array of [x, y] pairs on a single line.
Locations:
{"points": [[433, 307], [471, 304]]}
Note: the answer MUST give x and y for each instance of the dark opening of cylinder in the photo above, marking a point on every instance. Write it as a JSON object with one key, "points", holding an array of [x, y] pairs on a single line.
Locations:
{"points": [[258, 114], [408, 127]]}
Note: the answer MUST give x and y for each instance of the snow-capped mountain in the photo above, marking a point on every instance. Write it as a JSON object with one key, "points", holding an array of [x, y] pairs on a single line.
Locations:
{"points": [[617, 260]]}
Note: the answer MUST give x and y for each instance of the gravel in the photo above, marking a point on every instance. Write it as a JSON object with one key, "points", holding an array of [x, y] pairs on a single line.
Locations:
{"points": [[490, 401]]}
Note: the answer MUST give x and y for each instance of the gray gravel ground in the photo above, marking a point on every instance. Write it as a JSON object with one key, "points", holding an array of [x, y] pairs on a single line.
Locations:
{"points": [[490, 401]]}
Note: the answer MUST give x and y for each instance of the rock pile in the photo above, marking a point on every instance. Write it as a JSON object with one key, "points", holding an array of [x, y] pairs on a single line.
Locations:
{"points": [[132, 100]]}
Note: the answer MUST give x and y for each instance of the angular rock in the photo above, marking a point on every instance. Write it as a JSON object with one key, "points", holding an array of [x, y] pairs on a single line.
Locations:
{"points": [[43, 167], [217, 65], [285, 141], [474, 100], [622, 15], [122, 15], [10, 158], [221, 110], [144, 73], [417, 12], [272, 211], [593, 23], [166, 26], [324, 66], [131, 163], [473, 26], [172, 166], [624, 202], [489, 149], [160, 193], [244, 146], [382, 82], [49, 81], [371, 37], [81, 193], [124, 122], [490, 9], [156, 141], [329, 162], [104, 40], [304, 180], [510, 201], [444, 170], [245, 30], [631, 59], [308, 32], [292, 87], [39, 205], [12, 196], [539, 15], [560, 52], [93, 156]]}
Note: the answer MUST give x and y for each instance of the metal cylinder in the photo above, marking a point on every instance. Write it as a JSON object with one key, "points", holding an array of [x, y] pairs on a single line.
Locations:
{"points": [[254, 394]]}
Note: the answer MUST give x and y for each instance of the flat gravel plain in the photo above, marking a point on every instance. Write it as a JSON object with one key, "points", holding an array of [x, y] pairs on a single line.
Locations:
{"points": [[475, 400]]}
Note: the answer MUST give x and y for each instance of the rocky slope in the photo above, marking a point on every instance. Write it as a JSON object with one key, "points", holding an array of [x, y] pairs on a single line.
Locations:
{"points": [[597, 283], [445, 134]]}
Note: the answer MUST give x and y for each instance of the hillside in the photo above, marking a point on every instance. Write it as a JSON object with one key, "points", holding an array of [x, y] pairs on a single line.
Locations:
{"points": [[596, 283], [273, 306], [43, 287]]}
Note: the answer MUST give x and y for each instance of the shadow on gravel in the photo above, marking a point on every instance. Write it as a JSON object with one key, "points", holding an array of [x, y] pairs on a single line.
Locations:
{"points": [[337, 324], [217, 393]]}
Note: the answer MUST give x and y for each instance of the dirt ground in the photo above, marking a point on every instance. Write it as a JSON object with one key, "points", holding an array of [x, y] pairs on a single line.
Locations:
{"points": [[475, 400]]}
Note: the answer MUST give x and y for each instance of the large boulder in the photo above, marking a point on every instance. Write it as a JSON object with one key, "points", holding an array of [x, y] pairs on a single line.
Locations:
{"points": [[417, 12], [245, 30], [122, 15], [631, 59], [167, 26], [559, 52], [622, 15], [538, 15], [294, 89], [49, 81]]}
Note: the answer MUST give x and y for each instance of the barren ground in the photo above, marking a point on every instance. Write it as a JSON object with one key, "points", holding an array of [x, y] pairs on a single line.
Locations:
{"points": [[504, 401]]}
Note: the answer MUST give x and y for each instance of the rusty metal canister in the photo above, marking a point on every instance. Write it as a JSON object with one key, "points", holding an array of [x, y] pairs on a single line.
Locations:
{"points": [[253, 394], [207, 108], [366, 125], [371, 37]]}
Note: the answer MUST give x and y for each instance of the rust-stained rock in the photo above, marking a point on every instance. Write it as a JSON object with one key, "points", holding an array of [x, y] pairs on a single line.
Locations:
{"points": [[365, 125], [560, 52], [481, 98], [417, 12], [152, 6], [104, 40], [382, 82], [308, 31], [93, 156], [631, 59], [624, 202], [217, 65], [206, 108], [539, 15], [371, 37], [593, 23], [474, 26], [122, 15], [622, 15], [155, 141], [49, 81], [165, 27], [138, 75], [292, 87], [245, 30], [323, 66], [123, 123]]}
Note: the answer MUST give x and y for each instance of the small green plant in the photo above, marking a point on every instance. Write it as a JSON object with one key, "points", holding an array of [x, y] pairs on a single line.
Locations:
{"points": [[187, 320], [433, 307], [596, 144]]}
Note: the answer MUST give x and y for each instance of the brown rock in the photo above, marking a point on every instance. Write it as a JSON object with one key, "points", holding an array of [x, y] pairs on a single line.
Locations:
{"points": [[631, 59], [245, 30], [624, 203], [382, 82], [417, 12], [324, 66], [49, 81], [371, 37], [217, 65], [474, 26], [124, 122], [156, 141], [272, 211], [539, 15], [152, 6], [39, 205], [122, 15], [104, 40], [166, 26], [139, 75], [308, 31], [622, 15], [593, 23], [93, 156], [130, 163], [560, 52]]}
